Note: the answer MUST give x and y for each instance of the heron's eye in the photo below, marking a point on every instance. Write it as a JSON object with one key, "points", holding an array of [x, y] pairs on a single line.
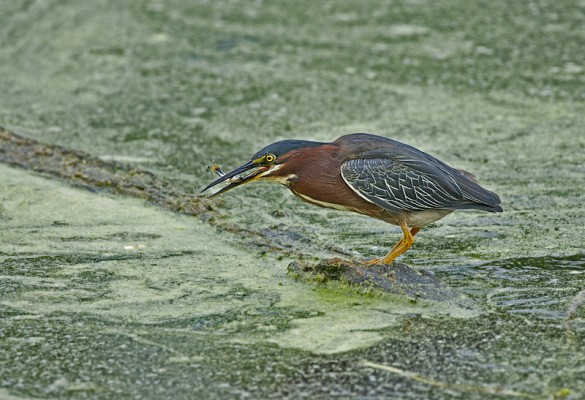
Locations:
{"points": [[270, 158]]}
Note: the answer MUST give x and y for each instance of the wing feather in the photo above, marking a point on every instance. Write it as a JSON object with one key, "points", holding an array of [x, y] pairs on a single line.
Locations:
{"points": [[401, 185]]}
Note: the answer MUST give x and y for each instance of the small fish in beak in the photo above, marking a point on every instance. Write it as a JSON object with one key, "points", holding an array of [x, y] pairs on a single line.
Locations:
{"points": [[238, 176]]}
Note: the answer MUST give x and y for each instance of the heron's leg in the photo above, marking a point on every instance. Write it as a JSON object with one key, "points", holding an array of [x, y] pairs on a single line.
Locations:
{"points": [[413, 232], [403, 245], [400, 247]]}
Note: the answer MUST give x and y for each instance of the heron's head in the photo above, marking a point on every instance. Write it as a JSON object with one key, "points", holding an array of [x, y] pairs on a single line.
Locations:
{"points": [[267, 164]]}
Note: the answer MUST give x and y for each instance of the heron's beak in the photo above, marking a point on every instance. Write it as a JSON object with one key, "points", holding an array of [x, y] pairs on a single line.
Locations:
{"points": [[239, 176]]}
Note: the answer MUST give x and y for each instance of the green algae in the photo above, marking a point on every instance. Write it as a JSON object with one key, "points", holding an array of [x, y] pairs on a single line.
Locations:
{"points": [[132, 269], [105, 297]]}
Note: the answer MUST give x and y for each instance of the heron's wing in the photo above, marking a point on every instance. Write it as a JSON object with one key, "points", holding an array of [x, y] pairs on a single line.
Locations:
{"points": [[402, 184]]}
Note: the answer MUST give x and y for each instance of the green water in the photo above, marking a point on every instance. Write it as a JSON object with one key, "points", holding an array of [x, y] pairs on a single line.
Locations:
{"points": [[104, 297]]}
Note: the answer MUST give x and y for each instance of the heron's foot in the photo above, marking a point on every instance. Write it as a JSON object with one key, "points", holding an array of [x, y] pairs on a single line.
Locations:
{"points": [[375, 261], [384, 260]]}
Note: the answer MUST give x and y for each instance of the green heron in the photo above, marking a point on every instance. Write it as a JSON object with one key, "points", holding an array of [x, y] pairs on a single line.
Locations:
{"points": [[370, 175]]}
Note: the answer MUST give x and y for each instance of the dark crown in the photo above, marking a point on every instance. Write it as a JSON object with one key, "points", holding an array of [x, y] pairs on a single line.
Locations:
{"points": [[284, 146]]}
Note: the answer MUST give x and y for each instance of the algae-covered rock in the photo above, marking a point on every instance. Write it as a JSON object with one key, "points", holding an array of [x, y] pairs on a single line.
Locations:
{"points": [[396, 278]]}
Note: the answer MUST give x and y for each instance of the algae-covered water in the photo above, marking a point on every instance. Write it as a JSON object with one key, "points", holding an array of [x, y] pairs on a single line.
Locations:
{"points": [[103, 296]]}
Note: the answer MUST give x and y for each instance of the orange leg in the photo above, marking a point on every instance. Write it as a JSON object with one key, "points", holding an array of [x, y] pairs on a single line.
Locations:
{"points": [[403, 245]]}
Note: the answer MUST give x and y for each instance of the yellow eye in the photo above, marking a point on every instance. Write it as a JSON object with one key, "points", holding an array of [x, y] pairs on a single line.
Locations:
{"points": [[270, 158]]}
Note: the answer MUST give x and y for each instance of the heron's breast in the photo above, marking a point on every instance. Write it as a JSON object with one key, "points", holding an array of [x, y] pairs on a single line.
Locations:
{"points": [[331, 191]]}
